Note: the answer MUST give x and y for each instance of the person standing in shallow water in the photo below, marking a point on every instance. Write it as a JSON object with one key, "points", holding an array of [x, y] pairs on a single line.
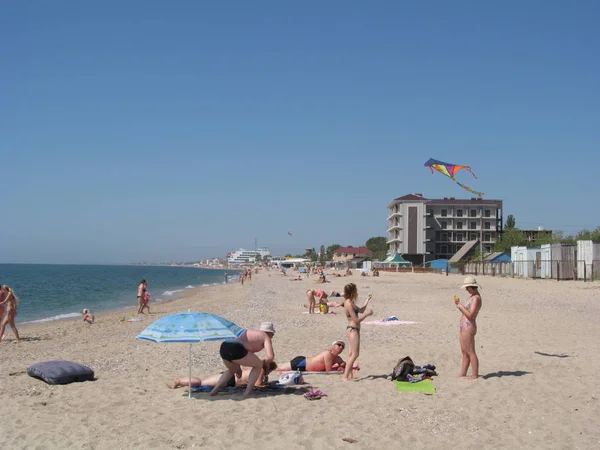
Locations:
{"points": [[468, 327], [141, 294]]}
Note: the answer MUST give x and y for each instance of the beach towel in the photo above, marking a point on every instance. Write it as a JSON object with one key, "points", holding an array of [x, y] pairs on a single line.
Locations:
{"points": [[390, 322], [425, 386], [269, 387]]}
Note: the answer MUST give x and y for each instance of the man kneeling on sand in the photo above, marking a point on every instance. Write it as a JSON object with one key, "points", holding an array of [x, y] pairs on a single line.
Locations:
{"points": [[212, 381], [241, 352], [326, 361]]}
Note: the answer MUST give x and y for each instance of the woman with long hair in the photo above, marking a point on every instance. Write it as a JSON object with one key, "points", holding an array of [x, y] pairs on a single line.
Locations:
{"points": [[141, 294], [2, 298], [353, 328], [468, 327], [12, 302]]}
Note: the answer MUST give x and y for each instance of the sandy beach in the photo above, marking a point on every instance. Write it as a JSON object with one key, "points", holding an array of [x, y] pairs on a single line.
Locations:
{"points": [[536, 343]]}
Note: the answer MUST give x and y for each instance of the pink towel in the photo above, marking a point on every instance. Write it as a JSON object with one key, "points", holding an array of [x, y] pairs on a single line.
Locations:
{"points": [[389, 322]]}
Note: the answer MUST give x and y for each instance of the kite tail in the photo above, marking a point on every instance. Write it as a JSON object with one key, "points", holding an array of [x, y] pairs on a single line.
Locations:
{"points": [[467, 188], [469, 169]]}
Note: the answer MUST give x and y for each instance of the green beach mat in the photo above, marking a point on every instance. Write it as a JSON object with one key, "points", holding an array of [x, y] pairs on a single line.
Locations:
{"points": [[420, 386]]}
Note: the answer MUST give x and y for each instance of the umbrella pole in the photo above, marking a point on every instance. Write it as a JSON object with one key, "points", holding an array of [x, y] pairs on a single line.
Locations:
{"points": [[190, 373]]}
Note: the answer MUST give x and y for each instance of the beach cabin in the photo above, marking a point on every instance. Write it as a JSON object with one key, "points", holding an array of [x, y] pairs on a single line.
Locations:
{"points": [[527, 261], [497, 258], [438, 264], [588, 260], [558, 261]]}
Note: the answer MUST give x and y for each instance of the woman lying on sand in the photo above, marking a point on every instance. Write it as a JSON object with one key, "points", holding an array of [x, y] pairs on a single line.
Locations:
{"points": [[212, 381], [468, 328]]}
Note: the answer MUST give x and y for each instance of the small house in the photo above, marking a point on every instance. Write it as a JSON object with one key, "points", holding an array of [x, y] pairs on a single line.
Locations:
{"points": [[588, 257]]}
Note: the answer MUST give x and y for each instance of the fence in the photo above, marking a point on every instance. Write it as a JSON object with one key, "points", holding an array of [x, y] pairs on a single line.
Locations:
{"points": [[536, 269]]}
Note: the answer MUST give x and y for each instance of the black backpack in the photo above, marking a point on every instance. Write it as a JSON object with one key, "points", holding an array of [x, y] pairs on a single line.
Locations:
{"points": [[404, 367]]}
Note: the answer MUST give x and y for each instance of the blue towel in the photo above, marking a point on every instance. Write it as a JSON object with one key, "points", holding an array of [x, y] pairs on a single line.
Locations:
{"points": [[270, 386]]}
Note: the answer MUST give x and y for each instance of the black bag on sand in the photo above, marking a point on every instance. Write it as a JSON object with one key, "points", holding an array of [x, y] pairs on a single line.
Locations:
{"points": [[404, 367]]}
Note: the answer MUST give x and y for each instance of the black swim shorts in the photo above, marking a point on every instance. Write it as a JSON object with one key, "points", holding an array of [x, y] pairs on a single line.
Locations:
{"points": [[232, 351], [298, 363], [231, 381]]}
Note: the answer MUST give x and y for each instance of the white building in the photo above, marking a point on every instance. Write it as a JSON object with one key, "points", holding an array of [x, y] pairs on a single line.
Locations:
{"points": [[243, 256], [422, 229]]}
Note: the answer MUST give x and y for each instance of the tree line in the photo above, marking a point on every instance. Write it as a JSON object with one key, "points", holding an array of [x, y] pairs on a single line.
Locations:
{"points": [[377, 244], [513, 236]]}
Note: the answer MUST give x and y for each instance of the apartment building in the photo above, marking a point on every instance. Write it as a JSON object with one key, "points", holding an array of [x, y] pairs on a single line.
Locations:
{"points": [[424, 229]]}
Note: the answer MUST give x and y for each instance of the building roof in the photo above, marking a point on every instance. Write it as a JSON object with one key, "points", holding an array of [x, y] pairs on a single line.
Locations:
{"points": [[464, 201], [494, 255], [464, 250], [357, 250], [399, 259], [411, 197], [447, 200]]}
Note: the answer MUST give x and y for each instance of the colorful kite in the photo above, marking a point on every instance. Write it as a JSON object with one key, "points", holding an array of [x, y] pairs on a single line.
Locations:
{"points": [[450, 170]]}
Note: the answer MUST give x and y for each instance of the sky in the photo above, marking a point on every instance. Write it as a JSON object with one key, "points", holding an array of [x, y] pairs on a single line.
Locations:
{"points": [[170, 131]]}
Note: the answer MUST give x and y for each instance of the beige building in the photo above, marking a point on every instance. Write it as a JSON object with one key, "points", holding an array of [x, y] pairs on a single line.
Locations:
{"points": [[349, 253]]}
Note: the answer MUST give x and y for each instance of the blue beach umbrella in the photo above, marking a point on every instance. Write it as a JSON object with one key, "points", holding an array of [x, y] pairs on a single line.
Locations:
{"points": [[191, 327]]}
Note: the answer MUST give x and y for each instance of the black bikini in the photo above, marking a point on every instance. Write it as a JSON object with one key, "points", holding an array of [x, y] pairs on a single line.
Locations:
{"points": [[356, 311], [298, 363]]}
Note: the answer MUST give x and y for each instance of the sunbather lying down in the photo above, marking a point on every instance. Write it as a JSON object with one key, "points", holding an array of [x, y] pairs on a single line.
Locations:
{"points": [[212, 381], [326, 361]]}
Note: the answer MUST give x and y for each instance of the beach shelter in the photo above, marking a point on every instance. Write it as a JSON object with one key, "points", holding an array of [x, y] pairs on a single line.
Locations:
{"points": [[398, 260], [191, 327]]}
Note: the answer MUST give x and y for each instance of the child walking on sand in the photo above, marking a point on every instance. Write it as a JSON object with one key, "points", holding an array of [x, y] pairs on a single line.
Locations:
{"points": [[147, 297]]}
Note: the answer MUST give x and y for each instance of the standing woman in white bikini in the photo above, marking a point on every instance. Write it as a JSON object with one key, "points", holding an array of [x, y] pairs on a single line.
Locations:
{"points": [[468, 327], [353, 328]]}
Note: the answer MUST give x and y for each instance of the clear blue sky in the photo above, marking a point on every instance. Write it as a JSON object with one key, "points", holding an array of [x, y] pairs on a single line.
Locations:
{"points": [[152, 130]]}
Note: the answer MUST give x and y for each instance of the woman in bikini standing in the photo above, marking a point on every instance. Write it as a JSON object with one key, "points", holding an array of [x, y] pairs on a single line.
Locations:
{"points": [[353, 328], [141, 294], [468, 327], [2, 298], [11, 301]]}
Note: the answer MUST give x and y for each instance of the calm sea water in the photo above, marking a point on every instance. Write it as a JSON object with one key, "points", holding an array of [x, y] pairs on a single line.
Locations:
{"points": [[50, 292]]}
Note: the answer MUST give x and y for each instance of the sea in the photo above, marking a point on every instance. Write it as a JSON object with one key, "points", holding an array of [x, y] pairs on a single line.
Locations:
{"points": [[50, 292]]}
